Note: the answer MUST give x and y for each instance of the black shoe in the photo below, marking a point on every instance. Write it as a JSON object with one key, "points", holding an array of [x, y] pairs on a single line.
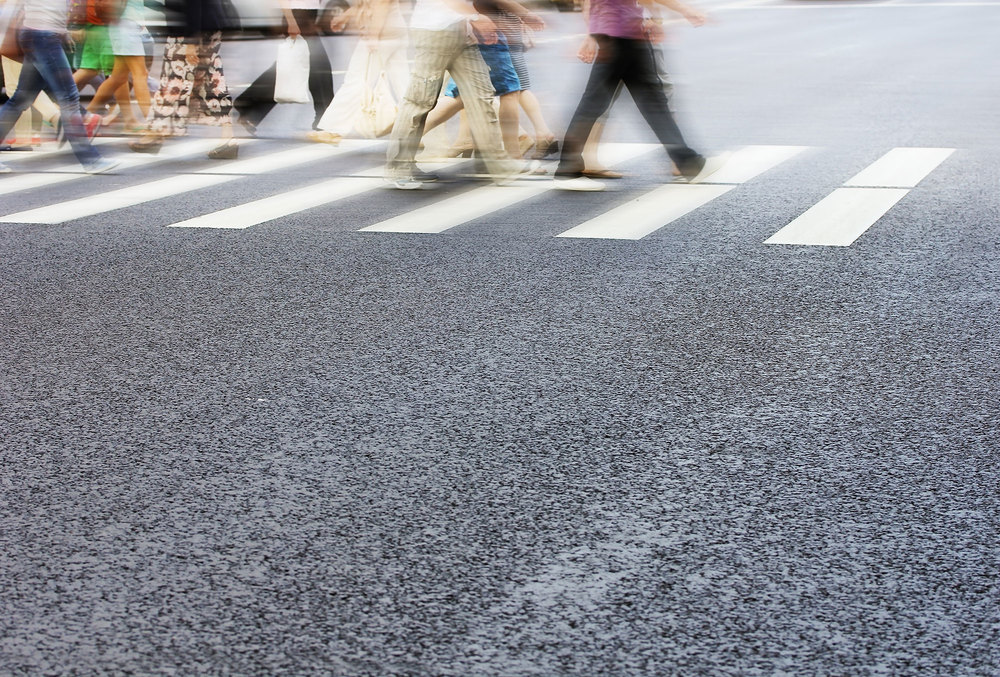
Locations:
{"points": [[251, 128]]}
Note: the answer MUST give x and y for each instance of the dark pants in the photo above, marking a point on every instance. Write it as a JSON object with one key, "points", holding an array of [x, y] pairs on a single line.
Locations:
{"points": [[632, 63], [258, 99]]}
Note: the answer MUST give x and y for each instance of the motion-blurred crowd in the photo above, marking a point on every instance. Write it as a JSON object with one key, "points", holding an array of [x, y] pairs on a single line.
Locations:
{"points": [[415, 66]]}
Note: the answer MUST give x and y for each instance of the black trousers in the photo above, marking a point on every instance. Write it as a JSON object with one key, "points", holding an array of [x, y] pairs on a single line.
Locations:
{"points": [[257, 100], [632, 63]]}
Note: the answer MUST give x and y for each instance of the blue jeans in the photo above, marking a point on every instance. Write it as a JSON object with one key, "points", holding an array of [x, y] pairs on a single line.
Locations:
{"points": [[46, 67]]}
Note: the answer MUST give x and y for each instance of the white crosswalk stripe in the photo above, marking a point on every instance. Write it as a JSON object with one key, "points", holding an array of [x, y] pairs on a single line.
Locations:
{"points": [[450, 212], [840, 218], [72, 171], [175, 185], [648, 213], [837, 220]]}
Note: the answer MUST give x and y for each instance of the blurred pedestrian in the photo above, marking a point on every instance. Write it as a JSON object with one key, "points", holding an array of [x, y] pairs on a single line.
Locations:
{"points": [[256, 101], [441, 30], [128, 62], [381, 49], [42, 37], [192, 82], [618, 46]]}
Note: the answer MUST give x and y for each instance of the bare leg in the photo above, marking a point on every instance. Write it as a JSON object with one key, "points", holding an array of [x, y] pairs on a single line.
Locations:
{"points": [[510, 110], [533, 109], [443, 111]]}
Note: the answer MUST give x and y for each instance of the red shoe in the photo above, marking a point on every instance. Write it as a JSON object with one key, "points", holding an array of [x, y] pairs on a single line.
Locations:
{"points": [[92, 124]]}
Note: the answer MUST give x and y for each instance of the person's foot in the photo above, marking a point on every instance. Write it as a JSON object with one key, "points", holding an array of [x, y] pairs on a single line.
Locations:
{"points": [[545, 148], [101, 166], [320, 136], [425, 177], [407, 183], [251, 128], [92, 124], [149, 143], [602, 174], [700, 168], [578, 183], [4, 169], [227, 151]]}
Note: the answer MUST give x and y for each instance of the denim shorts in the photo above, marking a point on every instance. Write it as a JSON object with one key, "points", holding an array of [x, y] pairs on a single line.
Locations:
{"points": [[502, 73]]}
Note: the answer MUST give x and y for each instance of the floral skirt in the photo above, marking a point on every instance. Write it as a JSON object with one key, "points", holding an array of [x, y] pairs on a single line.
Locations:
{"points": [[191, 93]]}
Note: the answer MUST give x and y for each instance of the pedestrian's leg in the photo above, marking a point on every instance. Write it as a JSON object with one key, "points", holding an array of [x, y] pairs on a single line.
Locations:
{"points": [[434, 49], [473, 79], [597, 97], [509, 114], [46, 51], [646, 88], [29, 84], [320, 77]]}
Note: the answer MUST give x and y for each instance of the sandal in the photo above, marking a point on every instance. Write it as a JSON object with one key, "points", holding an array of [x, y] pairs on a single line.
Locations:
{"points": [[319, 136], [230, 150], [149, 143]]}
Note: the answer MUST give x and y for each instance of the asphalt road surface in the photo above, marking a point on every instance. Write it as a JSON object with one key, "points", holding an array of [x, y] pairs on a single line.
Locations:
{"points": [[268, 417]]}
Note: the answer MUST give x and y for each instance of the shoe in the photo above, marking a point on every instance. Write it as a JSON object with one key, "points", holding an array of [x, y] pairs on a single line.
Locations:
{"points": [[101, 166], [578, 183], [602, 174], [251, 128], [459, 151], [4, 169], [227, 151], [524, 143], [406, 183], [425, 177], [701, 168], [545, 149], [92, 124], [60, 133], [319, 136], [149, 143]]}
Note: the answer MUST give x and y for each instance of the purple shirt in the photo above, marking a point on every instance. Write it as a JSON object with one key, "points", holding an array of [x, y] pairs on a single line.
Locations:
{"points": [[617, 19]]}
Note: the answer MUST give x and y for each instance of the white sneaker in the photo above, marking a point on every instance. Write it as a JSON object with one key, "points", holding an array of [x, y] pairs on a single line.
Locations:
{"points": [[711, 166], [579, 183], [4, 169], [407, 183], [101, 166]]}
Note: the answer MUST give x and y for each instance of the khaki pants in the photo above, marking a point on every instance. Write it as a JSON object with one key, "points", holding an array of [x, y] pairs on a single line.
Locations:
{"points": [[437, 51]]}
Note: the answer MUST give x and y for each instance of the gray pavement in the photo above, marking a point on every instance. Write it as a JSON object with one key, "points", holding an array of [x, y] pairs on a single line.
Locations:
{"points": [[301, 449]]}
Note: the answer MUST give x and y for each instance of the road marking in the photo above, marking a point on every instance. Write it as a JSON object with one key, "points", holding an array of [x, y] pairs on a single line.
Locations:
{"points": [[900, 168], [840, 218], [72, 171], [454, 211], [648, 213], [175, 185], [277, 206], [843, 216], [752, 161]]}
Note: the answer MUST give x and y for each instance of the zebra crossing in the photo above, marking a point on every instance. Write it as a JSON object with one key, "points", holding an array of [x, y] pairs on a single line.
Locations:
{"points": [[839, 219]]}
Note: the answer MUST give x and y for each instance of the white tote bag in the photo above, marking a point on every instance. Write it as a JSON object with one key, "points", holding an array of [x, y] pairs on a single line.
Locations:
{"points": [[378, 106], [291, 78]]}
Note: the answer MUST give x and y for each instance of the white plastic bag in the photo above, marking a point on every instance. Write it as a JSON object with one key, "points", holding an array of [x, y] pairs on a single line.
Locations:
{"points": [[291, 78], [378, 106]]}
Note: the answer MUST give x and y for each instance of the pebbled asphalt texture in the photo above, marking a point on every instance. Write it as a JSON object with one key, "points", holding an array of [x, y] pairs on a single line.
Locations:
{"points": [[303, 450]]}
